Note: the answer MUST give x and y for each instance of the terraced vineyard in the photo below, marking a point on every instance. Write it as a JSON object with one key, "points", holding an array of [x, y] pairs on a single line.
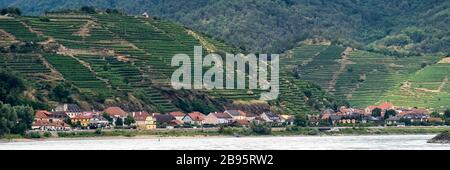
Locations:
{"points": [[18, 30], [322, 66], [23, 63], [76, 73], [112, 54], [121, 75], [427, 88], [120, 55], [365, 78]]}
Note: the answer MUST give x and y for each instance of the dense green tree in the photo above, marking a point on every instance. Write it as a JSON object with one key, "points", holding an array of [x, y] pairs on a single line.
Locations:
{"points": [[15, 119], [301, 120], [88, 9], [11, 87], [389, 113], [447, 114], [61, 93], [129, 120], [261, 128], [25, 118], [376, 112], [119, 122], [11, 10], [107, 117]]}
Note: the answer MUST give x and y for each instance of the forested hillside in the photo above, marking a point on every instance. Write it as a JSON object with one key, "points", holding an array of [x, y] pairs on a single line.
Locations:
{"points": [[401, 27]]}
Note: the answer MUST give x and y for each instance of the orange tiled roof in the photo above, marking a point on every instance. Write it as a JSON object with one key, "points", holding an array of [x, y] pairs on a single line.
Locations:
{"points": [[42, 114], [140, 116], [197, 116], [383, 106], [177, 114], [116, 111]]}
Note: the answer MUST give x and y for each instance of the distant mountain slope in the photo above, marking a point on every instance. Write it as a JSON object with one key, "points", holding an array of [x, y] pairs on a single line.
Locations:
{"points": [[277, 25]]}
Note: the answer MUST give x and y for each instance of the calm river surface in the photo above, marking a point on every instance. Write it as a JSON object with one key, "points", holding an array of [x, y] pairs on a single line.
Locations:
{"points": [[384, 142]]}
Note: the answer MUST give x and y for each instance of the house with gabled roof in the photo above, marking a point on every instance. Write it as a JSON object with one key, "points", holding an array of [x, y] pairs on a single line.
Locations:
{"points": [[270, 117], [194, 118], [144, 120], [223, 118], [178, 115], [236, 114], [115, 112], [71, 110]]}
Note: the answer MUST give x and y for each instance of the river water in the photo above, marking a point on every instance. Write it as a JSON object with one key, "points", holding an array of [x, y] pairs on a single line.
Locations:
{"points": [[380, 142]]}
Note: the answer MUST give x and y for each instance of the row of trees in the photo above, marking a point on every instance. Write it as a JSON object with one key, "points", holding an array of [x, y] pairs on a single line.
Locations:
{"points": [[11, 11], [15, 119]]}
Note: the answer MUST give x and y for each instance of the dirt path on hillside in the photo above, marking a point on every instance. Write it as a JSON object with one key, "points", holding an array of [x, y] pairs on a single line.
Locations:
{"points": [[55, 75], [445, 60], [6, 39], [31, 29], [438, 90], [344, 61], [86, 29], [209, 47], [406, 86]]}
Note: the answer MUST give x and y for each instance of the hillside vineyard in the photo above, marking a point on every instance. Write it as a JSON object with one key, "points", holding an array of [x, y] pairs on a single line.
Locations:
{"points": [[114, 59]]}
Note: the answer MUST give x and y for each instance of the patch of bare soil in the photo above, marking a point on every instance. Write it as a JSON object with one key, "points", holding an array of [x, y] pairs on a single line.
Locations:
{"points": [[122, 58], [86, 29], [445, 60], [66, 51], [6, 38]]}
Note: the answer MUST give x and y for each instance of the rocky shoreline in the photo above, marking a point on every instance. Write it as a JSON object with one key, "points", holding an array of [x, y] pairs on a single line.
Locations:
{"points": [[443, 138]]}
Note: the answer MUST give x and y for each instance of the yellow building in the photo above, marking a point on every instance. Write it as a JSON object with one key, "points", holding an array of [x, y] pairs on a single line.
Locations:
{"points": [[84, 120], [144, 121]]}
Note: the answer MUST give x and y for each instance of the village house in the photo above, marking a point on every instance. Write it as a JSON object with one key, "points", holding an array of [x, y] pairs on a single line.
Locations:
{"points": [[50, 126], [370, 119], [45, 120], [146, 15], [194, 118], [144, 121], [42, 115], [270, 117], [83, 119], [211, 119], [178, 115], [166, 121], [70, 110], [287, 119], [236, 114], [241, 123], [393, 121], [314, 119], [250, 116], [116, 113], [223, 118], [416, 117], [98, 121], [384, 107], [350, 119]]}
